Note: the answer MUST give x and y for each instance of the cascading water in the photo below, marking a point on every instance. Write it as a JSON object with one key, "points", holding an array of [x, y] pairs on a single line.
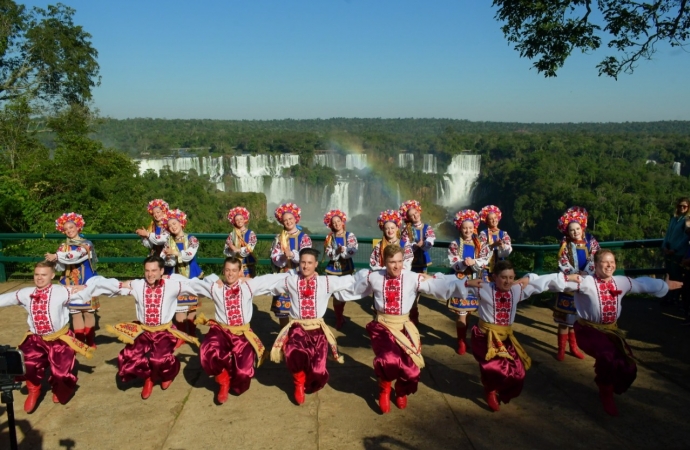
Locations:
{"points": [[406, 160], [340, 198], [430, 164], [459, 180], [356, 162], [676, 168], [360, 200]]}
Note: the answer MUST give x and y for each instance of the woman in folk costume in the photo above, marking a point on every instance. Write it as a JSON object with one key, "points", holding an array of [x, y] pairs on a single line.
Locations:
{"points": [[468, 256], [576, 256], [340, 246], [179, 255], [77, 258], [502, 360], [241, 242], [497, 240], [156, 235], [285, 253], [421, 238], [599, 301], [389, 222]]}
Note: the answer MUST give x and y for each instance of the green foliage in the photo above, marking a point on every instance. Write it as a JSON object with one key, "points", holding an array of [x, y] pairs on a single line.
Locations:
{"points": [[314, 175]]}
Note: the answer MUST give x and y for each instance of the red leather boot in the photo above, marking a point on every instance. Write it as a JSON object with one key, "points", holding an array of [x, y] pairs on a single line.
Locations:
{"points": [[90, 335], [401, 401], [32, 398], [80, 334], [299, 379], [462, 333], [562, 339], [223, 381], [572, 341], [148, 389], [384, 396], [491, 399], [606, 397]]}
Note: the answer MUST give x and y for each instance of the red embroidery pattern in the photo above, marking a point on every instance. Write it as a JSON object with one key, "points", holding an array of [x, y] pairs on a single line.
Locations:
{"points": [[608, 300], [233, 304], [503, 306], [306, 292], [153, 303], [392, 295], [40, 311]]}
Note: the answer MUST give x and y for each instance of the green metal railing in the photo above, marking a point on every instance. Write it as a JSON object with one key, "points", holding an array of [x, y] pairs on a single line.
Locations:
{"points": [[19, 250]]}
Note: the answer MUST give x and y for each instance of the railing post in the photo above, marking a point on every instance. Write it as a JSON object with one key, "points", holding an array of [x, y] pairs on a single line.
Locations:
{"points": [[538, 261], [3, 276]]}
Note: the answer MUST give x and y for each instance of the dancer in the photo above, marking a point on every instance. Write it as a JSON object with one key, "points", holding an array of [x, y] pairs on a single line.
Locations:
{"points": [[497, 240], [502, 360], [421, 238], [394, 338], [598, 300], [76, 258], [468, 256], [340, 246], [231, 349], [285, 253], [389, 222], [49, 343], [150, 341], [179, 254], [156, 235], [575, 256], [241, 241], [305, 341]]}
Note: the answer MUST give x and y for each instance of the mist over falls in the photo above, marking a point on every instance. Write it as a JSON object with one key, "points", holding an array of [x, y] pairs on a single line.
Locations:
{"points": [[361, 188]]}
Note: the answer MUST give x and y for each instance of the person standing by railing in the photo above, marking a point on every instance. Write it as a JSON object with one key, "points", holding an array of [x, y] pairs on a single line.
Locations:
{"points": [[576, 256], [285, 253], [675, 245], [156, 235], [421, 237], [241, 241], [497, 240], [389, 222], [340, 246], [77, 259]]}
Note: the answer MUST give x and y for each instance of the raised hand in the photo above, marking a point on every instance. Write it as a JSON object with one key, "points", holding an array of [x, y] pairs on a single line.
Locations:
{"points": [[523, 282], [672, 284], [475, 283]]}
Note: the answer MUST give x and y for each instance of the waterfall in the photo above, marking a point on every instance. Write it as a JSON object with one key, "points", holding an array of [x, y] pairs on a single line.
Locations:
{"points": [[211, 166], [459, 179], [340, 197], [356, 161], [360, 200], [281, 189], [676, 168], [332, 160], [406, 160], [324, 198], [430, 164]]}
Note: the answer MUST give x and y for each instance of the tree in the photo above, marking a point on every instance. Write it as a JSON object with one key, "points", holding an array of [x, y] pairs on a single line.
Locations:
{"points": [[550, 30], [44, 55]]}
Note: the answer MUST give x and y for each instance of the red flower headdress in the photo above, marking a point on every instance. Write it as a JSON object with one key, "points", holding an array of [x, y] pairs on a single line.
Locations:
{"points": [[73, 217], [465, 215], [334, 213], [181, 217], [158, 203], [389, 215], [408, 205], [238, 211], [489, 209], [288, 208], [574, 214]]}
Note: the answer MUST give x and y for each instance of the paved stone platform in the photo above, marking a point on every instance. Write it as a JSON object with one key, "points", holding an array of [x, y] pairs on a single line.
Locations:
{"points": [[559, 407]]}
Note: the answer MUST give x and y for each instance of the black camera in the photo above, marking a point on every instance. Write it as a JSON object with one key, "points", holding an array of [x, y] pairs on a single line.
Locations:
{"points": [[11, 362]]}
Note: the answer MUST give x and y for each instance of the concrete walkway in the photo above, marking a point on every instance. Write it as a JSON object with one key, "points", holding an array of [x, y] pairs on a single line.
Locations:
{"points": [[559, 407]]}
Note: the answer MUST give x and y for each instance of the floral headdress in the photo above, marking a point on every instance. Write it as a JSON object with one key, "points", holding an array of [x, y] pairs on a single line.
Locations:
{"points": [[238, 211], [73, 217], [489, 209], [465, 215], [288, 208], [181, 217], [158, 203], [389, 215], [574, 214], [334, 213], [408, 205]]}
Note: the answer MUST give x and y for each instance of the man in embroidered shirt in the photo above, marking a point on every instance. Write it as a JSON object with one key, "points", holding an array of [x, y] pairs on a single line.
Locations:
{"points": [[49, 343], [598, 301], [151, 339], [306, 340]]}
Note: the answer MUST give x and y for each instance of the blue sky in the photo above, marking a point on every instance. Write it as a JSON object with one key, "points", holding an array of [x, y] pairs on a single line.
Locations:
{"points": [[265, 59]]}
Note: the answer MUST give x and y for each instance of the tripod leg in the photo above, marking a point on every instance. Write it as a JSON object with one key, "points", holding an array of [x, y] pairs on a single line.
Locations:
{"points": [[8, 399]]}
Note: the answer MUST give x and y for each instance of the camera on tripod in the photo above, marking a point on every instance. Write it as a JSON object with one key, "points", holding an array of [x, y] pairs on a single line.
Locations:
{"points": [[11, 364]]}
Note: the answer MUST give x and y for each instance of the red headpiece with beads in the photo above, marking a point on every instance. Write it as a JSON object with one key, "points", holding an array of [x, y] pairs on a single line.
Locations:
{"points": [[334, 213], [408, 205], [389, 215], [158, 203], [288, 208], [464, 216], [73, 217], [574, 214], [181, 217], [489, 209], [238, 211]]}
